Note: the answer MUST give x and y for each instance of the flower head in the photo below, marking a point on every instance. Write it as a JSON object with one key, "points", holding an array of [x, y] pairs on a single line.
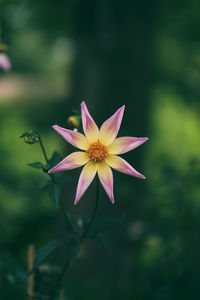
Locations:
{"points": [[100, 151], [4, 62]]}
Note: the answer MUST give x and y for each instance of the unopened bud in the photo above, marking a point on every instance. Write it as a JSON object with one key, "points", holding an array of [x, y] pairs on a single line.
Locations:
{"points": [[74, 121], [30, 137], [3, 47]]}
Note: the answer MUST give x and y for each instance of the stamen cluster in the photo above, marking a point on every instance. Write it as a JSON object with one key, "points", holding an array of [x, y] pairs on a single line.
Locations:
{"points": [[97, 152]]}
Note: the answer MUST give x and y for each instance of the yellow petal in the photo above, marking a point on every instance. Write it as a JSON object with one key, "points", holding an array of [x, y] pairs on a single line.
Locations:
{"points": [[85, 179], [109, 129], [72, 161], [124, 144], [77, 139], [106, 178], [89, 126], [121, 165]]}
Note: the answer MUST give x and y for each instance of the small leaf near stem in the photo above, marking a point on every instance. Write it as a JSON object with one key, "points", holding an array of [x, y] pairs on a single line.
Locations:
{"points": [[94, 213], [36, 165]]}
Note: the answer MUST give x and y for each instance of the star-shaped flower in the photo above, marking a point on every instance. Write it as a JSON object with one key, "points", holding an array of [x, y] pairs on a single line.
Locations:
{"points": [[100, 148]]}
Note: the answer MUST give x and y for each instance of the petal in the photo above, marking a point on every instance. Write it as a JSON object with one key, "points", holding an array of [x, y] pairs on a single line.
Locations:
{"points": [[89, 126], [125, 144], [121, 165], [109, 129], [77, 139], [106, 178], [86, 177], [72, 161]]}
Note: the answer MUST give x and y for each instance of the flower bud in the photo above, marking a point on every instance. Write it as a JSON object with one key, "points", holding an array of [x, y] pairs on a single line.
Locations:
{"points": [[74, 121], [3, 47], [30, 137]]}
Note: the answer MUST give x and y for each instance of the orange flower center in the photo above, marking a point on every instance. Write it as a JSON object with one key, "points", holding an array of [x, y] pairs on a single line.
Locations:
{"points": [[97, 152]]}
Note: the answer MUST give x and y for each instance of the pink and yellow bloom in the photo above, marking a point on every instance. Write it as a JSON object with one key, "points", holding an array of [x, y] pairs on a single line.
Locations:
{"points": [[100, 152]]}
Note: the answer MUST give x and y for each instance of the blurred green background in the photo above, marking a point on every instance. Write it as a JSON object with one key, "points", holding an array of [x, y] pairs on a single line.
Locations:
{"points": [[146, 55]]}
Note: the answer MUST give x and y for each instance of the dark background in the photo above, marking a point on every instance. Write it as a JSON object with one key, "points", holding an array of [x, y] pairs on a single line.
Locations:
{"points": [[146, 55]]}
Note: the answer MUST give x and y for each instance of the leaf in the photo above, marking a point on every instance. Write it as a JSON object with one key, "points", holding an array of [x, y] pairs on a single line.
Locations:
{"points": [[103, 242], [45, 184], [72, 249], [54, 194], [23, 134], [65, 178], [10, 267], [55, 159], [45, 251], [46, 168], [36, 165], [78, 223], [107, 223], [73, 221], [83, 223]]}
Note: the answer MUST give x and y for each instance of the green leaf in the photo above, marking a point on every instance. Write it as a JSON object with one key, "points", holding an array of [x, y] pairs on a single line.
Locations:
{"points": [[54, 194], [36, 165], [45, 184], [103, 242], [12, 270], [83, 223], [45, 251], [55, 159], [107, 223], [65, 178], [73, 221], [46, 168], [72, 249], [23, 135], [78, 223]]}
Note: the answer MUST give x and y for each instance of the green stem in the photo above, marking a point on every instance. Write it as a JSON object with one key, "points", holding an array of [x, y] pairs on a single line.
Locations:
{"points": [[66, 266], [67, 219], [43, 149], [94, 213], [59, 280]]}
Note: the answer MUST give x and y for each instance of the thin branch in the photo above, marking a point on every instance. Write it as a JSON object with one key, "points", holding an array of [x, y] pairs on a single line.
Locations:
{"points": [[94, 213]]}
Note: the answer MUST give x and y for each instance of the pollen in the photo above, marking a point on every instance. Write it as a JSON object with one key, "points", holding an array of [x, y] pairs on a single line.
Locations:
{"points": [[97, 152]]}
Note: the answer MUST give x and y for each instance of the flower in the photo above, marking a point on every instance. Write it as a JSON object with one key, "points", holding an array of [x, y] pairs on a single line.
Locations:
{"points": [[100, 148], [4, 62]]}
